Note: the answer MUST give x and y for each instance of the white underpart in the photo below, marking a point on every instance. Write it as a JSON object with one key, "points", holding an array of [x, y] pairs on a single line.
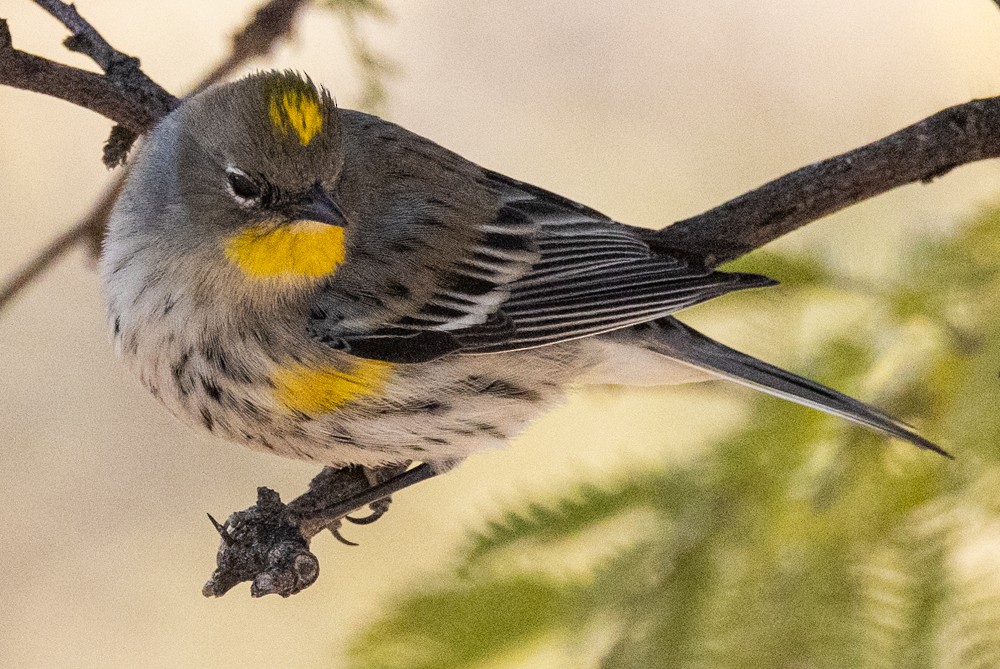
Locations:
{"points": [[630, 365]]}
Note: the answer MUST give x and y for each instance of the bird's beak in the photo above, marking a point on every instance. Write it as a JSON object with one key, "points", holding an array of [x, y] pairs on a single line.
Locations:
{"points": [[317, 205]]}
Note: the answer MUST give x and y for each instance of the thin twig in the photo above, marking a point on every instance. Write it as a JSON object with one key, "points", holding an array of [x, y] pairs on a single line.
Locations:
{"points": [[88, 229], [120, 68], [42, 261], [270, 23], [90, 42], [373, 67], [92, 91]]}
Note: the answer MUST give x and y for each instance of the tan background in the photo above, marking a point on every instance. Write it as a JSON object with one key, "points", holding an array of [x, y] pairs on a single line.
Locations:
{"points": [[650, 111]]}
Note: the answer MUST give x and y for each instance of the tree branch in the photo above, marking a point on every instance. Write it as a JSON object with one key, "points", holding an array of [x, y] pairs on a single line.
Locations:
{"points": [[919, 153], [119, 68], [268, 543], [45, 259], [80, 87]]}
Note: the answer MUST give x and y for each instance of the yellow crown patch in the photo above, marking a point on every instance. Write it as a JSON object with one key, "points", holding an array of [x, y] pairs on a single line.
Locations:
{"points": [[296, 108]]}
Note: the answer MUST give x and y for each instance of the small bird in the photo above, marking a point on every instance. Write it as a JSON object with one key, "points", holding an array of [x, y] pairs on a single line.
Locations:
{"points": [[322, 284]]}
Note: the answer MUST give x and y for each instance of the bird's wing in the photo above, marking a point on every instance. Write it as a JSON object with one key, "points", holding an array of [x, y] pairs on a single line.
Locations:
{"points": [[544, 270]]}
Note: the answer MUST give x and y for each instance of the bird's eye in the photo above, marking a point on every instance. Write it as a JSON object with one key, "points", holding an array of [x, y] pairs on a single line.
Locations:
{"points": [[243, 187]]}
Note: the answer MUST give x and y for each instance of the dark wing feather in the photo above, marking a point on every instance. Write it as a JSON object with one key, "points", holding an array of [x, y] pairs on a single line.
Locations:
{"points": [[602, 298], [587, 275], [475, 284]]}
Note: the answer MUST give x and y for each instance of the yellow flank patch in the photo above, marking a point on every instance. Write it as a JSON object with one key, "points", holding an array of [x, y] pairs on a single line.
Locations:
{"points": [[307, 249], [294, 111], [326, 389]]}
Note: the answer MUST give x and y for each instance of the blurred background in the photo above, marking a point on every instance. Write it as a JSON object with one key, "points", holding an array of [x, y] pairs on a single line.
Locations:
{"points": [[649, 111]]}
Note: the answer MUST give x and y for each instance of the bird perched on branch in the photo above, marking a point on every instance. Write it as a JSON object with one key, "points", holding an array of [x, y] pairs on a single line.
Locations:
{"points": [[322, 284]]}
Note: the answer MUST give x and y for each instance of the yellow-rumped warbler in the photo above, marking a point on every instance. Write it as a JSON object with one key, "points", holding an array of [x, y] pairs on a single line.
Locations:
{"points": [[322, 284]]}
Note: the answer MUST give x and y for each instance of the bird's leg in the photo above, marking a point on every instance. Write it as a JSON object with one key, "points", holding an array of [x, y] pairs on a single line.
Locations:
{"points": [[378, 507], [379, 491], [334, 485], [385, 481]]}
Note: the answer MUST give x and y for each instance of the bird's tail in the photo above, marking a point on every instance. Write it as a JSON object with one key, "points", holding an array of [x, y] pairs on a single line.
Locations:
{"points": [[680, 342]]}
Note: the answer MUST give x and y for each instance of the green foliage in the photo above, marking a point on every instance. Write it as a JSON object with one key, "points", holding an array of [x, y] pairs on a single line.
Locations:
{"points": [[800, 541], [480, 620], [794, 272]]}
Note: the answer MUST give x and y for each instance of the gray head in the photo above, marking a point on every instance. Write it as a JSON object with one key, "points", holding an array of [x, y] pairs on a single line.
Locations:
{"points": [[243, 174]]}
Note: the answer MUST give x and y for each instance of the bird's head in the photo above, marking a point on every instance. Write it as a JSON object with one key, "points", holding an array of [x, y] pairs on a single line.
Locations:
{"points": [[246, 174]]}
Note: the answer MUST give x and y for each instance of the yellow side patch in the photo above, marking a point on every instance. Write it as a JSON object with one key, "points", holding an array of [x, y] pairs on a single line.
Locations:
{"points": [[293, 111], [300, 249], [325, 389]]}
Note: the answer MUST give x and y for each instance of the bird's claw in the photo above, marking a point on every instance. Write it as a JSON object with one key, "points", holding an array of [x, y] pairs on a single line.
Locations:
{"points": [[378, 509], [335, 531]]}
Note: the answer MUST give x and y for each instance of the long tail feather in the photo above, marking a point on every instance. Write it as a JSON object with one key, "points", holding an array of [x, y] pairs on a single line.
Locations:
{"points": [[678, 341]]}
